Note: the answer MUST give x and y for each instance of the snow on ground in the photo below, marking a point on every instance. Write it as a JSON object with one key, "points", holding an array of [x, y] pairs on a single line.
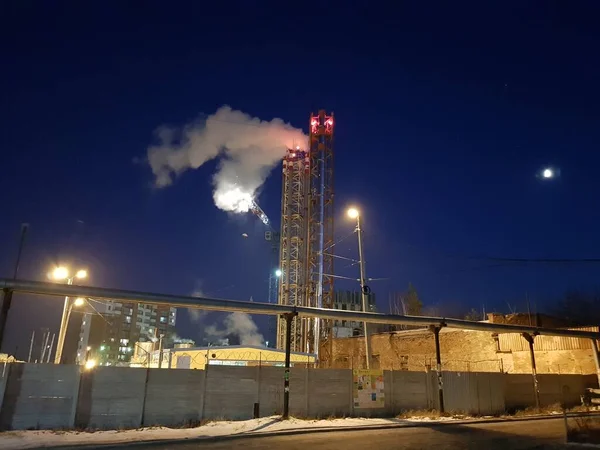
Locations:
{"points": [[18, 440]]}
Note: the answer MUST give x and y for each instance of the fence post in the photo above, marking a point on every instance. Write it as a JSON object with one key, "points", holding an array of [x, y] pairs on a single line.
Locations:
{"points": [[204, 390], [352, 391], [392, 400], [143, 413], [76, 396], [536, 388], [257, 403], [307, 391]]}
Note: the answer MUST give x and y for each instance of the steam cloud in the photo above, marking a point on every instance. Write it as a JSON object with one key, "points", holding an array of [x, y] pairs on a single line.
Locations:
{"points": [[197, 314], [237, 324], [247, 147]]}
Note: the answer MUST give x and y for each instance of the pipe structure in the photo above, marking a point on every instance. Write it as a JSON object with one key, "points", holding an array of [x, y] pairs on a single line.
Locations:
{"points": [[212, 304]]}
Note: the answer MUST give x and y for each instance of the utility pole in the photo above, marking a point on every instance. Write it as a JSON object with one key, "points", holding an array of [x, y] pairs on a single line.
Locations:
{"points": [[354, 213]]}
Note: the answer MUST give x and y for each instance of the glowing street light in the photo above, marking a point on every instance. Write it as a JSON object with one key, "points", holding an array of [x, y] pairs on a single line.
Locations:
{"points": [[81, 274], [61, 273], [90, 364], [353, 213]]}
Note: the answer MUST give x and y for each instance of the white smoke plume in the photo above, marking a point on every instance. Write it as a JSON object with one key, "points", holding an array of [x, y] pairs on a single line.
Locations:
{"points": [[246, 146], [237, 324], [197, 314]]}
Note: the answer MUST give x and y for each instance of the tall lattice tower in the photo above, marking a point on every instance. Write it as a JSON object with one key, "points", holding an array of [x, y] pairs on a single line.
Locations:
{"points": [[306, 258], [293, 242], [320, 226]]}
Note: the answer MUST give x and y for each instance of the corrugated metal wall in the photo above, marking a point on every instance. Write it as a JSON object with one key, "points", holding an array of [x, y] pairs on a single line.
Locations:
{"points": [[516, 343]]}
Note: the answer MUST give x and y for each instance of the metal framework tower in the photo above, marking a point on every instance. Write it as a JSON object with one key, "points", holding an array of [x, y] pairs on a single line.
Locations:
{"points": [[293, 241], [320, 251], [306, 239]]}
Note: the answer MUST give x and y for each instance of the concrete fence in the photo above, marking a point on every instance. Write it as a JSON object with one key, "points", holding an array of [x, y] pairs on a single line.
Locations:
{"points": [[46, 396]]}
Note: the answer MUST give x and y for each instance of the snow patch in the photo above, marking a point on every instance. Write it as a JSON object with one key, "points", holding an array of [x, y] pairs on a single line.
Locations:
{"points": [[19, 440]]}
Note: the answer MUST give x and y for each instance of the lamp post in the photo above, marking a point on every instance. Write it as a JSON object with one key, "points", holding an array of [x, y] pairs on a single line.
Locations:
{"points": [[59, 274], [353, 213]]}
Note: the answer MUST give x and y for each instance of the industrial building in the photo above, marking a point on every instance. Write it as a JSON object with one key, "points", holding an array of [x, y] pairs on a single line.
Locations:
{"points": [[183, 356], [470, 350]]}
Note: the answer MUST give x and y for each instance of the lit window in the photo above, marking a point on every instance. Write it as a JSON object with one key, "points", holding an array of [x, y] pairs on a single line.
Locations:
{"points": [[163, 319], [124, 341], [128, 319]]}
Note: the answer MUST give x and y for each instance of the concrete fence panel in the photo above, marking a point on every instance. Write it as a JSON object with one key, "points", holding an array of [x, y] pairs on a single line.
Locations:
{"points": [[173, 397], [230, 392], [473, 393], [554, 389], [490, 393], [39, 396], [4, 372], [60, 396], [299, 400], [270, 391], [111, 397], [330, 392], [407, 391]]}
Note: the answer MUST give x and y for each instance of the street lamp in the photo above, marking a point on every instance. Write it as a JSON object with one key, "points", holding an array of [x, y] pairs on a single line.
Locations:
{"points": [[353, 213], [90, 364], [61, 273]]}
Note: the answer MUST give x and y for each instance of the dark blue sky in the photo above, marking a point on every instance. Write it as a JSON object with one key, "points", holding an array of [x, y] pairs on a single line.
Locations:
{"points": [[444, 116]]}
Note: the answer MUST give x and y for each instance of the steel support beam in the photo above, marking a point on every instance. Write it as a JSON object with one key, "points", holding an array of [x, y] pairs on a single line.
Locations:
{"points": [[536, 388], [286, 378], [596, 358], [438, 367]]}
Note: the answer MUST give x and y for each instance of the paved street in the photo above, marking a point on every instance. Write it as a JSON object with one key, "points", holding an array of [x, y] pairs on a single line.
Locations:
{"points": [[533, 434]]}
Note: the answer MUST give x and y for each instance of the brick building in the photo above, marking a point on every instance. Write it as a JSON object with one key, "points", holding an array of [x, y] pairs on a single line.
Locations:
{"points": [[468, 351]]}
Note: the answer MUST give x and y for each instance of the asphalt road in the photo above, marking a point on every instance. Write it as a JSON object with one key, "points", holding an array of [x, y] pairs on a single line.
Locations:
{"points": [[532, 434]]}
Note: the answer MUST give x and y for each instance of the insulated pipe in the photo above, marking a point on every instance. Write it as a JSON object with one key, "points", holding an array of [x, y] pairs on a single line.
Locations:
{"points": [[211, 304]]}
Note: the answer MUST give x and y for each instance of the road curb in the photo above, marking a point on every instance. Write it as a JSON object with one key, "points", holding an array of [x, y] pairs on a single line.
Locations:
{"points": [[300, 431]]}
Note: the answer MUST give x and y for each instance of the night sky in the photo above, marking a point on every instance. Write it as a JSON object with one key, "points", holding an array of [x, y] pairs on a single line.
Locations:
{"points": [[445, 116]]}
